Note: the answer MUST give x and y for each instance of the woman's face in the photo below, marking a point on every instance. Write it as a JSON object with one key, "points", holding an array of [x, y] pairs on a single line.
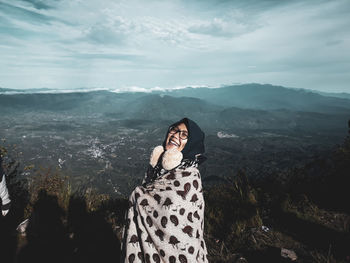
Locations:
{"points": [[177, 137]]}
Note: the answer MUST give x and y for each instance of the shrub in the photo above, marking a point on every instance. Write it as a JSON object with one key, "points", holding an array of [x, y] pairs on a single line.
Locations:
{"points": [[230, 209]]}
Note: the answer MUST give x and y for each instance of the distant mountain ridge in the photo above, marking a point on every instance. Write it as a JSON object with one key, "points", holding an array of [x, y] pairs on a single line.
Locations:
{"points": [[342, 95], [248, 96], [240, 107], [16, 91], [266, 97], [188, 90]]}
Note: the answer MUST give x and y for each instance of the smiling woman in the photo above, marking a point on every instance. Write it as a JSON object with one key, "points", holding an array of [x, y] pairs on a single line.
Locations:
{"points": [[166, 214], [177, 137]]}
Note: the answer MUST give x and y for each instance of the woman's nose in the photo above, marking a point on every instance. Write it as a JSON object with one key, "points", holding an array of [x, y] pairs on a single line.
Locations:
{"points": [[176, 135]]}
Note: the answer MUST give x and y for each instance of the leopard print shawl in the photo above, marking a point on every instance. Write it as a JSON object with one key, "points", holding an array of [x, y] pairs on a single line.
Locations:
{"points": [[165, 219]]}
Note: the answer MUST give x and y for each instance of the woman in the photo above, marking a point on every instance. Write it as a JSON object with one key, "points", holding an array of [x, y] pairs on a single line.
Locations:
{"points": [[165, 217]]}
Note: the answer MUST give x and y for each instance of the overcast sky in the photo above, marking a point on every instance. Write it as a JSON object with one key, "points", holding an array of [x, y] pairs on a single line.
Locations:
{"points": [[121, 44]]}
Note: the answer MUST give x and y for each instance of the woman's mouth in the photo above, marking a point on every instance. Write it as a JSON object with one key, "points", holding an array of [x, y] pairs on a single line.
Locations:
{"points": [[172, 142]]}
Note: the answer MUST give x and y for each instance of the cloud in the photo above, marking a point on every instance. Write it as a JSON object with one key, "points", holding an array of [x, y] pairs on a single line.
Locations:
{"points": [[171, 43], [22, 13], [39, 4], [109, 56], [220, 28], [111, 30], [333, 42], [102, 34]]}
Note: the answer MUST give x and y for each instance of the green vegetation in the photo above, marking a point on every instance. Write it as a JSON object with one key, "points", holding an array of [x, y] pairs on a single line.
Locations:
{"points": [[231, 209], [305, 210]]}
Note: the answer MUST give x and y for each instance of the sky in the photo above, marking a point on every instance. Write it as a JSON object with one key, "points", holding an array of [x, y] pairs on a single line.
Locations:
{"points": [[134, 44]]}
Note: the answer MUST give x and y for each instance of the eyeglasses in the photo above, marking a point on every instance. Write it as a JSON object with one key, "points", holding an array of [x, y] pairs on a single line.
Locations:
{"points": [[183, 134]]}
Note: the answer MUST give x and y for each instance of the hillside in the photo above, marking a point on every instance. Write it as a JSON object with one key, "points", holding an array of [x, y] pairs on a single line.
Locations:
{"points": [[276, 177], [284, 218]]}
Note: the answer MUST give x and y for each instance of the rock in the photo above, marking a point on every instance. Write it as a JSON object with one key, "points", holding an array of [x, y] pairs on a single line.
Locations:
{"points": [[289, 254], [241, 260]]}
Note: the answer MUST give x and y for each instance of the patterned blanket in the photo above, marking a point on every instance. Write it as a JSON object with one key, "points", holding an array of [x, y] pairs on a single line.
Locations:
{"points": [[166, 219]]}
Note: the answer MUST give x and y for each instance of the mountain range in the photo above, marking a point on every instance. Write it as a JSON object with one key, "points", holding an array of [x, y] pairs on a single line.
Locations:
{"points": [[250, 106]]}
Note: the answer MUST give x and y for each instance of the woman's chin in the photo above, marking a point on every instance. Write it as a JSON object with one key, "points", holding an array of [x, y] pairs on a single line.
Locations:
{"points": [[171, 146]]}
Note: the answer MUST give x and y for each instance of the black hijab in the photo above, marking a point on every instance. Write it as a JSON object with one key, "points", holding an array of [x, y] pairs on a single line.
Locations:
{"points": [[192, 152], [194, 148]]}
